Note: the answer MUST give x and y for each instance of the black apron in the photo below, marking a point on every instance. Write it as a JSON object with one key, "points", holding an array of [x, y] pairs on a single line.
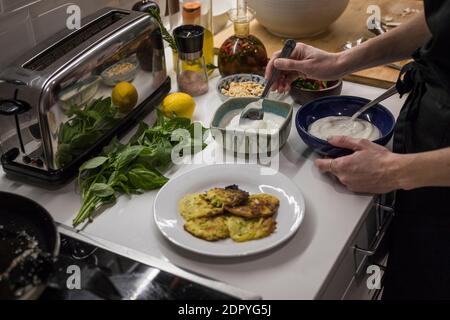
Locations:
{"points": [[419, 259]]}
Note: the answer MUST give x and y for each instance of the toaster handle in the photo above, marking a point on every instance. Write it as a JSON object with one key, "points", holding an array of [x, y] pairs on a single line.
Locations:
{"points": [[13, 81], [13, 107]]}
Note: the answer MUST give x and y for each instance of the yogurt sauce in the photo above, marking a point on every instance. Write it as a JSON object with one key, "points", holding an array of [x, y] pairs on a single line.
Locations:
{"points": [[270, 121], [343, 126]]}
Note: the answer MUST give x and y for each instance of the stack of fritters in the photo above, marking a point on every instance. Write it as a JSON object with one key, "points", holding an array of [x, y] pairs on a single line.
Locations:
{"points": [[220, 213]]}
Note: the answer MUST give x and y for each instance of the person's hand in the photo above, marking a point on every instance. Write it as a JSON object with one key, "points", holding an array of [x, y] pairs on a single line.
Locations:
{"points": [[370, 169], [307, 62]]}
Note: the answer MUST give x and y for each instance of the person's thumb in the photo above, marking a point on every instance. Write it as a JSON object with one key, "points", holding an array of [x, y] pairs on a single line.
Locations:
{"points": [[289, 65]]}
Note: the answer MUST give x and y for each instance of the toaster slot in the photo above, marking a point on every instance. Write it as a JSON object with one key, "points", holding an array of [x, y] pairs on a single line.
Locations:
{"points": [[61, 48]]}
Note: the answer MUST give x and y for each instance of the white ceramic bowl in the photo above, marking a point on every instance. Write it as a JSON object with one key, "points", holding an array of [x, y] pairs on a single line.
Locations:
{"points": [[297, 18], [220, 13]]}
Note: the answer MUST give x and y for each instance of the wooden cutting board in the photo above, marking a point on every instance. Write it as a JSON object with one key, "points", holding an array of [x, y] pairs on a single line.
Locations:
{"points": [[352, 25]]}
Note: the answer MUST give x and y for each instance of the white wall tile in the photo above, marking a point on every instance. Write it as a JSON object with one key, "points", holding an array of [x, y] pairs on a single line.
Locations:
{"points": [[12, 5], [16, 35], [50, 22], [33, 21]]}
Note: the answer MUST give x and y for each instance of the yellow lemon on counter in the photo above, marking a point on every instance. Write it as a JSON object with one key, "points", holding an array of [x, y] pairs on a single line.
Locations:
{"points": [[178, 104], [125, 96]]}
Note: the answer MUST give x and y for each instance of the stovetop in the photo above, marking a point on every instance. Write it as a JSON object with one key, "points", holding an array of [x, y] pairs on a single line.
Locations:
{"points": [[87, 272]]}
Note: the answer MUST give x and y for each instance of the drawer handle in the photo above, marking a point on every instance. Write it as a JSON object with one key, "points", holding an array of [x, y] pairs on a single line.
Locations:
{"points": [[380, 236], [381, 233]]}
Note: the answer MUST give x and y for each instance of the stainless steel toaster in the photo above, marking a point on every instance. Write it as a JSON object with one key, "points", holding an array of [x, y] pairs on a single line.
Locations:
{"points": [[66, 99]]}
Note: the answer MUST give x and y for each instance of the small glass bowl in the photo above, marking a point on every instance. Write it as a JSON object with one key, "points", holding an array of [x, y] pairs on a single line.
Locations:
{"points": [[113, 75]]}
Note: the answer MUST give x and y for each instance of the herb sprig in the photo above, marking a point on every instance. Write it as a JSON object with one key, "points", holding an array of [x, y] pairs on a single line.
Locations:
{"points": [[154, 13]]}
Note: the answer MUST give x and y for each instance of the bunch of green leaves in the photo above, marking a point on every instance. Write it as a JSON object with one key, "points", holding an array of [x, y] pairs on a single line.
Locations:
{"points": [[84, 127], [131, 168]]}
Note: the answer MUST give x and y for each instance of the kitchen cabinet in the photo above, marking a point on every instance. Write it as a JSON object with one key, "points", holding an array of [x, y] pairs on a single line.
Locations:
{"points": [[359, 274]]}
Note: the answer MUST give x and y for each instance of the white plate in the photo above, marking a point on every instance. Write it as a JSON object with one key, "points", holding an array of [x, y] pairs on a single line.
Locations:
{"points": [[247, 177]]}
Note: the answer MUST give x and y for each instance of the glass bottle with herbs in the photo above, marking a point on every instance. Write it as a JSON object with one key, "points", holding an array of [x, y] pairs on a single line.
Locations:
{"points": [[242, 52]]}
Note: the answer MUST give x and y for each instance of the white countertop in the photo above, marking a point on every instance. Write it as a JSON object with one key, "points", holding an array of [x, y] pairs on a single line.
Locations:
{"points": [[296, 270]]}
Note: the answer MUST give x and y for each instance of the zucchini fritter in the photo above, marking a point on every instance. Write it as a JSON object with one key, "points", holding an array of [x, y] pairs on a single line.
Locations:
{"points": [[193, 206], [230, 196], [258, 205], [242, 229], [210, 229]]}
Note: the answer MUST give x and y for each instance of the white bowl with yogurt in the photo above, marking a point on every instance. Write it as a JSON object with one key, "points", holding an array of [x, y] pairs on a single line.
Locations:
{"points": [[252, 136], [327, 127]]}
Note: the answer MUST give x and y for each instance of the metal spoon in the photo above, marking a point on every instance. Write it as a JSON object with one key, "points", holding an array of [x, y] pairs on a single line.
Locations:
{"points": [[254, 110], [388, 93]]}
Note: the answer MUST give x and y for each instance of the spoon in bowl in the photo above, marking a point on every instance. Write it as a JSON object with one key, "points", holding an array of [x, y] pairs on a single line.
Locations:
{"points": [[254, 110], [388, 93]]}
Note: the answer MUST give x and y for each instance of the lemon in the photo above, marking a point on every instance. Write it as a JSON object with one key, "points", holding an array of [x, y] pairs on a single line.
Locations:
{"points": [[125, 96], [178, 104]]}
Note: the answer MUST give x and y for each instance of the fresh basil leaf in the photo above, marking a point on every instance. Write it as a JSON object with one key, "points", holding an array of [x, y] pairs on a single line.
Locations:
{"points": [[85, 140], [177, 123], [105, 124], [146, 179], [139, 133], [114, 147], [64, 155], [122, 188], [102, 106], [69, 130], [127, 156], [157, 156], [93, 163], [102, 190]]}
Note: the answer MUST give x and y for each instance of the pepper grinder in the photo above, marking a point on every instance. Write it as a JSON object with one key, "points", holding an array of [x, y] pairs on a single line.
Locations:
{"points": [[192, 76]]}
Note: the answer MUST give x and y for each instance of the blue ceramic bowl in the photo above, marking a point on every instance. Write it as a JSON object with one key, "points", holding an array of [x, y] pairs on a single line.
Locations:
{"points": [[378, 115]]}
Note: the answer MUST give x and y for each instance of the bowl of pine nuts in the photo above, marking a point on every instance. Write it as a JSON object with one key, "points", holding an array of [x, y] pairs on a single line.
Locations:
{"points": [[241, 85]]}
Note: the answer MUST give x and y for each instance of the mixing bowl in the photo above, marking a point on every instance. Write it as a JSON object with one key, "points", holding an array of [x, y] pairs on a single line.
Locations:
{"points": [[297, 18], [378, 115]]}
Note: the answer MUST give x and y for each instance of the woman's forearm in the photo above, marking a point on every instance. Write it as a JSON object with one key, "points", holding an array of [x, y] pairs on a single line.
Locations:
{"points": [[394, 45], [427, 169]]}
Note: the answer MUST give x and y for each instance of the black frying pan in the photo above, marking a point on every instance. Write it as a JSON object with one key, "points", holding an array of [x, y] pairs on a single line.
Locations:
{"points": [[29, 243]]}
